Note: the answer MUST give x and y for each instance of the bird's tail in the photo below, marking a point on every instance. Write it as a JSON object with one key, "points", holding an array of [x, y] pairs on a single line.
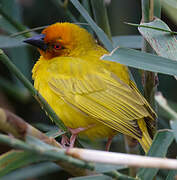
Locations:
{"points": [[146, 140]]}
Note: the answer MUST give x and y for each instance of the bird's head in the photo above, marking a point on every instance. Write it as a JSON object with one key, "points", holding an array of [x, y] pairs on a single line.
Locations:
{"points": [[62, 39]]}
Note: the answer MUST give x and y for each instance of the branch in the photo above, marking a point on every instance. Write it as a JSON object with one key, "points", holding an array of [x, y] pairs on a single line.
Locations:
{"points": [[148, 78], [122, 159], [14, 125], [32, 90]]}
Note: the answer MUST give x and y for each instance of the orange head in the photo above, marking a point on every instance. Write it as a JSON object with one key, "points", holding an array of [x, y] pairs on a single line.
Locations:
{"points": [[62, 39]]}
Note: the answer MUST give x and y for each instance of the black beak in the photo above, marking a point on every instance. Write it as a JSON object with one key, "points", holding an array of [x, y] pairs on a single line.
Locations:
{"points": [[37, 41]]}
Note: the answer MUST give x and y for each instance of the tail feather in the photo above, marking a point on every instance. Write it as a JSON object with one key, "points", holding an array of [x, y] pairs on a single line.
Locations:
{"points": [[146, 140]]}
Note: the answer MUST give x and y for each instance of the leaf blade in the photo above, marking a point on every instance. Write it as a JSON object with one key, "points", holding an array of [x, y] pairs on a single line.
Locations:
{"points": [[163, 43], [99, 32], [159, 148], [142, 60]]}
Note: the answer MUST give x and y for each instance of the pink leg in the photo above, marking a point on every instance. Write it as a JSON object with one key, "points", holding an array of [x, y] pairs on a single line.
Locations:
{"points": [[72, 140], [75, 132], [64, 141], [108, 144]]}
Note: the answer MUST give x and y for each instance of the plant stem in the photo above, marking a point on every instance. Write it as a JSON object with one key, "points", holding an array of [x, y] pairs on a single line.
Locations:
{"points": [[157, 8], [14, 23], [14, 125], [59, 4], [149, 79], [32, 90], [51, 154], [122, 159], [99, 32], [100, 16], [117, 175]]}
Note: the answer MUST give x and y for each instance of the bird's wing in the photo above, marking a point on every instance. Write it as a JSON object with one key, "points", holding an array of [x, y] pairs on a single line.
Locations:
{"points": [[102, 95]]}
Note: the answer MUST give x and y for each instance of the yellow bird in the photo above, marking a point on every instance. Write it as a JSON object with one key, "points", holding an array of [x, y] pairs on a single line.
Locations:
{"points": [[93, 97]]}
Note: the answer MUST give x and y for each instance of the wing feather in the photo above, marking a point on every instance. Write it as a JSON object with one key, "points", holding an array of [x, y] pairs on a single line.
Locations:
{"points": [[102, 95]]}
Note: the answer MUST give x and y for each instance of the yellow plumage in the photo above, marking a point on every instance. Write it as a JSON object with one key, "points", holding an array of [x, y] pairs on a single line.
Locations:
{"points": [[88, 92]]}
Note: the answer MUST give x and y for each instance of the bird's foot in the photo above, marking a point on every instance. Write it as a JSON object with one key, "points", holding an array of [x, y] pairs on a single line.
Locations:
{"points": [[65, 141], [75, 133]]}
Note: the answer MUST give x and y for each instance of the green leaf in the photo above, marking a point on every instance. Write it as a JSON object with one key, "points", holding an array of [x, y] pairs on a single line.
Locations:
{"points": [[99, 32], [130, 41], [173, 125], [142, 60], [8, 42], [171, 175], [102, 168], [108, 176], [163, 43], [13, 9], [151, 27], [44, 127], [159, 148], [157, 8], [10, 17], [32, 171], [55, 133], [16, 159], [95, 177], [100, 16]]}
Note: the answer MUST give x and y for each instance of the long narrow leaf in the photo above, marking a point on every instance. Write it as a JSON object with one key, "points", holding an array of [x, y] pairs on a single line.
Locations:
{"points": [[32, 171], [171, 175], [99, 32], [159, 148], [9, 42], [17, 159], [94, 177], [142, 60], [129, 41]]}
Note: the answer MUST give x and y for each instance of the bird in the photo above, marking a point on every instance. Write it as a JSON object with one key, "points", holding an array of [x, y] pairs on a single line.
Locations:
{"points": [[94, 98]]}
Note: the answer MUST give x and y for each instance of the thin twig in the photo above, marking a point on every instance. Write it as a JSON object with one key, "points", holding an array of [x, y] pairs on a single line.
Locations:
{"points": [[32, 90], [148, 78]]}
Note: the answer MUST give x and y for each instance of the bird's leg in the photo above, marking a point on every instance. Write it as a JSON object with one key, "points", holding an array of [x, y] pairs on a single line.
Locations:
{"points": [[64, 141], [75, 132], [108, 144]]}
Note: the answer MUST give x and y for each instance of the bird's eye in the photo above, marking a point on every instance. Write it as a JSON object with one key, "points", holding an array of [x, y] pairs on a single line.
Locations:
{"points": [[57, 46]]}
